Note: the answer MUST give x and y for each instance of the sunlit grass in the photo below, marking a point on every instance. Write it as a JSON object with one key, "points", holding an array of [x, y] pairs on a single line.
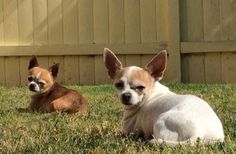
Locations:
{"points": [[99, 130]]}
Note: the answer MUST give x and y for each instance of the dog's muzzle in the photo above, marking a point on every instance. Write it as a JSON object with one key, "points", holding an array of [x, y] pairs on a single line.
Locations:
{"points": [[33, 87], [126, 97]]}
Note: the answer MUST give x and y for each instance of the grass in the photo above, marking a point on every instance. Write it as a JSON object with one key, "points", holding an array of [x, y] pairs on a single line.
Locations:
{"points": [[100, 130]]}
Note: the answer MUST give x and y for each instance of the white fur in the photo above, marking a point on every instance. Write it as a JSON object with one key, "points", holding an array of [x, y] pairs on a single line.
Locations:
{"points": [[175, 119]]}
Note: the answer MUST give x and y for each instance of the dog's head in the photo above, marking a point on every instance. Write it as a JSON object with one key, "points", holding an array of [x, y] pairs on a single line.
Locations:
{"points": [[41, 80], [133, 83]]}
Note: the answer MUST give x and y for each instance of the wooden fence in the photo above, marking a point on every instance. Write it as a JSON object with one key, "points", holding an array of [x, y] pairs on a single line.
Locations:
{"points": [[199, 36]]}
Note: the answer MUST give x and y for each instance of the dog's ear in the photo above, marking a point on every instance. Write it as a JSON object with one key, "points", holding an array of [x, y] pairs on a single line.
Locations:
{"points": [[54, 70], [157, 65], [33, 62], [112, 63]]}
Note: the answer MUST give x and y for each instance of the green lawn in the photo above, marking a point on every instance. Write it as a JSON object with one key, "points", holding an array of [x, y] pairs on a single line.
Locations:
{"points": [[100, 130]]}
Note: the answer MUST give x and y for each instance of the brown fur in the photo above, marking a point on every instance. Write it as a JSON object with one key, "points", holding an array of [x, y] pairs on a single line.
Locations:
{"points": [[52, 97], [58, 99]]}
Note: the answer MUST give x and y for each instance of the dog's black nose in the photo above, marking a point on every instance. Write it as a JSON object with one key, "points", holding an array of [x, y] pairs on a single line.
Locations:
{"points": [[126, 98], [32, 87]]}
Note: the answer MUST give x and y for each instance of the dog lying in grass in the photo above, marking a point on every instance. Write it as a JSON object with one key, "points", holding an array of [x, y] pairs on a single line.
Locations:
{"points": [[155, 113], [48, 95]]}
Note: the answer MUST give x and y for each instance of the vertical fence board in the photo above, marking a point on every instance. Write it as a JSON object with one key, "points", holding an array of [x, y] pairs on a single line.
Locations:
{"points": [[40, 22], [132, 21], [70, 22], [10, 22], [86, 69], [71, 67], [2, 71], [25, 21], [101, 76], [58, 59], [55, 30], [133, 60], [12, 71], [116, 21], [211, 17], [185, 68], [233, 24], [196, 68], [173, 71], [148, 20], [146, 59], [24, 63], [100, 14], [43, 61], [122, 59], [162, 20], [195, 33], [228, 68], [194, 20], [213, 67], [225, 18], [85, 21], [1, 24]]}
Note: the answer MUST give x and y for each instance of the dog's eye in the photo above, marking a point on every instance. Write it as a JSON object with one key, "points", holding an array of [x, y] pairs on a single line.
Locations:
{"points": [[30, 78], [119, 85], [140, 88], [41, 83]]}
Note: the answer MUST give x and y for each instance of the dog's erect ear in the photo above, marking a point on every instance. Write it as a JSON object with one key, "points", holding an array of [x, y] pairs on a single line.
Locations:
{"points": [[112, 63], [157, 65], [33, 62], [54, 70]]}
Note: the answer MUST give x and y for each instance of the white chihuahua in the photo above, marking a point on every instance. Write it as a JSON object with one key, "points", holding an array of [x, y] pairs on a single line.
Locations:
{"points": [[152, 111]]}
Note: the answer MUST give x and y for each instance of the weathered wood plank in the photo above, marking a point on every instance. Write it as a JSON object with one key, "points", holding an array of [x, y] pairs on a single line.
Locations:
{"points": [[211, 17], [116, 21], [86, 70], [101, 76], [132, 21], [146, 59], [70, 22], [71, 67], [10, 22], [194, 20], [196, 68], [55, 30], [228, 68], [100, 14], [162, 20], [25, 22], [133, 60], [43, 61], [148, 20], [12, 71], [24, 63], [173, 72], [85, 21], [40, 22], [213, 68], [58, 59], [2, 71], [1, 24], [197, 47], [82, 49], [226, 16]]}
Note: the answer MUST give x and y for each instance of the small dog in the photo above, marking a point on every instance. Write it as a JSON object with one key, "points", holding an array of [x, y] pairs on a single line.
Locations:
{"points": [[48, 95], [155, 113]]}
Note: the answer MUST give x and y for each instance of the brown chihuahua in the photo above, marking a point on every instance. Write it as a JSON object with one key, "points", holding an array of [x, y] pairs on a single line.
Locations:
{"points": [[48, 95]]}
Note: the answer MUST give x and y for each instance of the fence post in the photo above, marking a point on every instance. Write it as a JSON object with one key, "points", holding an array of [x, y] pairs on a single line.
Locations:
{"points": [[174, 73]]}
